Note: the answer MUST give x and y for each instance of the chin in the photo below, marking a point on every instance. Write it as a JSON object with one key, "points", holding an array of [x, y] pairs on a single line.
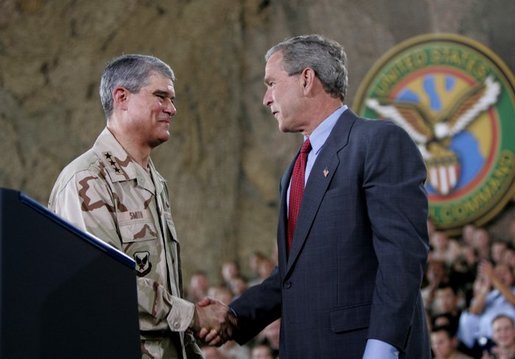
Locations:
{"points": [[163, 139], [159, 140], [282, 127], [285, 129]]}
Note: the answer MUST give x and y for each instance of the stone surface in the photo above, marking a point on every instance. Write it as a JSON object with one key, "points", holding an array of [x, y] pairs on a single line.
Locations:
{"points": [[226, 155]]}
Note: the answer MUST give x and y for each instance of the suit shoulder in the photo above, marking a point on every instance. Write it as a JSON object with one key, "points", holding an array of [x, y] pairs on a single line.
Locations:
{"points": [[379, 129], [376, 125]]}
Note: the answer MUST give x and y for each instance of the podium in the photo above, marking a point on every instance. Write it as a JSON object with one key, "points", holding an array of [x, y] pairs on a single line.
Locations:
{"points": [[63, 292]]}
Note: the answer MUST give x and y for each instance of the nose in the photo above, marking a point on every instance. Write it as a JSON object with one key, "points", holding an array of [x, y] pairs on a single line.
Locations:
{"points": [[267, 98], [169, 107]]}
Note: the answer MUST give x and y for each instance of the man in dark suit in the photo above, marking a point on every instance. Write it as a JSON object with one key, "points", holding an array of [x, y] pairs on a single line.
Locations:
{"points": [[348, 285]]}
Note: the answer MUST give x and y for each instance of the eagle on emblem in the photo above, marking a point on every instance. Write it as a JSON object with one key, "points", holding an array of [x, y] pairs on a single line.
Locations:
{"points": [[433, 134], [143, 264]]}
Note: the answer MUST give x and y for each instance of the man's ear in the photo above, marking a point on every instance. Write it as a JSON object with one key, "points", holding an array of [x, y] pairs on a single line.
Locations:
{"points": [[308, 77], [120, 97]]}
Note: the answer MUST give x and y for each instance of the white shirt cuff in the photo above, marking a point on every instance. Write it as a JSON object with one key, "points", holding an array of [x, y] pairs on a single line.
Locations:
{"points": [[379, 349]]}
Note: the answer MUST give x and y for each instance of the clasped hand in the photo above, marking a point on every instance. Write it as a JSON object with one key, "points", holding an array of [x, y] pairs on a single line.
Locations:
{"points": [[214, 322]]}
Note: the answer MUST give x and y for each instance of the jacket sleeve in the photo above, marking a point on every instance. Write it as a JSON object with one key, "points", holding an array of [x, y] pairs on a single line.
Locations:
{"points": [[257, 307], [394, 176]]}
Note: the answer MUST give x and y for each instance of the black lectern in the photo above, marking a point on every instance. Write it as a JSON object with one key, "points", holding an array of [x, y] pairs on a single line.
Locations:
{"points": [[63, 292]]}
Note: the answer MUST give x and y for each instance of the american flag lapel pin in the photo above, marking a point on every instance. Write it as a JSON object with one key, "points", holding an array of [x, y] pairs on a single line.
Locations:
{"points": [[325, 172]]}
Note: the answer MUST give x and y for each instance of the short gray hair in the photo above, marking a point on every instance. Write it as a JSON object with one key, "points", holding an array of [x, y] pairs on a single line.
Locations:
{"points": [[131, 72], [326, 57]]}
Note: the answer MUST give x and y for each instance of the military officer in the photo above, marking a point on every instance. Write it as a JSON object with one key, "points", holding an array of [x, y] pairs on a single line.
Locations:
{"points": [[114, 192]]}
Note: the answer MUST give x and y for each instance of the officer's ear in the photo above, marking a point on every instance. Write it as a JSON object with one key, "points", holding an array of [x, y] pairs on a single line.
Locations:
{"points": [[120, 97]]}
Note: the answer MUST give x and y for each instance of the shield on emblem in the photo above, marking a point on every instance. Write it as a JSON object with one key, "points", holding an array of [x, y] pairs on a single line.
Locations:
{"points": [[443, 172]]}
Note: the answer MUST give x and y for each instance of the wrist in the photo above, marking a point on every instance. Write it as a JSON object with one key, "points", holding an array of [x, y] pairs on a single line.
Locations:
{"points": [[194, 325]]}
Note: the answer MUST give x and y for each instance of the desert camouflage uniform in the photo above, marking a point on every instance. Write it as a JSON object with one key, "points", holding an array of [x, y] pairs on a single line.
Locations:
{"points": [[108, 194]]}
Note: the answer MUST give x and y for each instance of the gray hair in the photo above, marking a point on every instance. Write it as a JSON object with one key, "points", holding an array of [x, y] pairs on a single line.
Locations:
{"points": [[326, 57], [131, 72]]}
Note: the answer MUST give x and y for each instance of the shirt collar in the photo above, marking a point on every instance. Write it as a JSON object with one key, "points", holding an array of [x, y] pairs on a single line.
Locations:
{"points": [[119, 165], [320, 134]]}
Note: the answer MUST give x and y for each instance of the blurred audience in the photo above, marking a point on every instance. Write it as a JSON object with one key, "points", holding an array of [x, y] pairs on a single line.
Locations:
{"points": [[445, 345], [481, 243], [254, 259], [270, 335], [212, 353], [229, 271], [436, 273], [447, 305], [493, 295], [497, 250], [264, 268], [262, 351], [198, 287], [503, 329], [238, 285], [443, 248]]}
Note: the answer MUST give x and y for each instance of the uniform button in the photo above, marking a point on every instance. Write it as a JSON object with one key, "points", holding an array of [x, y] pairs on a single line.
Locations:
{"points": [[176, 325], [287, 285]]}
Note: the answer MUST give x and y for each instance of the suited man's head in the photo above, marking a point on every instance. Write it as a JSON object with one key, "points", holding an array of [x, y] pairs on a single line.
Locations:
{"points": [[306, 80], [326, 57]]}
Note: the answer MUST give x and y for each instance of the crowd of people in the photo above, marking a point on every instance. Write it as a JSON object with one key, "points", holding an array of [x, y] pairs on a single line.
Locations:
{"points": [[233, 283], [468, 292]]}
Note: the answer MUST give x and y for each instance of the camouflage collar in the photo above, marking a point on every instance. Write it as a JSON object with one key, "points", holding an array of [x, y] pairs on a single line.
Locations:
{"points": [[120, 166]]}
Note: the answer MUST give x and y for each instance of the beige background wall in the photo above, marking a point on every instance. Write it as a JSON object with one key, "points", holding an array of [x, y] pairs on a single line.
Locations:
{"points": [[226, 154]]}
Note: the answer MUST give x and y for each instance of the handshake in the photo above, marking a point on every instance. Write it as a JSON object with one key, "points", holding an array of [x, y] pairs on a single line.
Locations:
{"points": [[213, 322]]}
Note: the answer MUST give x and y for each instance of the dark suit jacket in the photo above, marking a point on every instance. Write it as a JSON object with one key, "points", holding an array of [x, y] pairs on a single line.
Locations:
{"points": [[358, 253]]}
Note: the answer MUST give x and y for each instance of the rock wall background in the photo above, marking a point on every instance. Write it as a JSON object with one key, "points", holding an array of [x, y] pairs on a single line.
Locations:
{"points": [[226, 155]]}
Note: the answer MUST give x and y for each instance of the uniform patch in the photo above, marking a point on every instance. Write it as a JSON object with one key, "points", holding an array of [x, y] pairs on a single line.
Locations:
{"points": [[143, 264], [455, 99]]}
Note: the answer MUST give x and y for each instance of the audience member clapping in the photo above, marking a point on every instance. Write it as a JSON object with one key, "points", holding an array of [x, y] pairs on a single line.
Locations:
{"points": [[493, 295]]}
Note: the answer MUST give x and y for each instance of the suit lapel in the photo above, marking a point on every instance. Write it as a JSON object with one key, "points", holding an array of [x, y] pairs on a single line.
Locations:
{"points": [[321, 175]]}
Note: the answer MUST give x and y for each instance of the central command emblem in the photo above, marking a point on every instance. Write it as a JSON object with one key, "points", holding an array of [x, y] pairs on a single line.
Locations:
{"points": [[455, 98]]}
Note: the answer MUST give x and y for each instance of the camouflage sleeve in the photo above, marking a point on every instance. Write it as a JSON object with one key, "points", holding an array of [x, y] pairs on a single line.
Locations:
{"points": [[157, 301], [86, 201]]}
